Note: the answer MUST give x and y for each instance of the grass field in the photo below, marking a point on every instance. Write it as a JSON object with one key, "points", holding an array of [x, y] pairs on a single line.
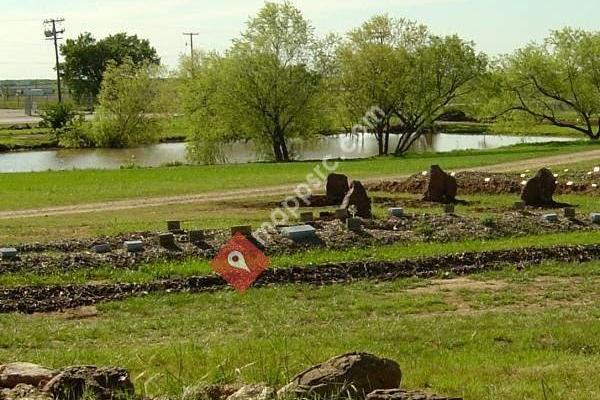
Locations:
{"points": [[507, 335]]}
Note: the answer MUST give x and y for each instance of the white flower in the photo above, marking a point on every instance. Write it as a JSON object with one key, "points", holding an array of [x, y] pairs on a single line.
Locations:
{"points": [[527, 171], [566, 170], [596, 169], [424, 173], [453, 174], [524, 183], [556, 175], [487, 180], [570, 183], [590, 172], [523, 175]]}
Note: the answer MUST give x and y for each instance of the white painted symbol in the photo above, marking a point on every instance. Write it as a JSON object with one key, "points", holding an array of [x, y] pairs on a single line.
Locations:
{"points": [[236, 260]]}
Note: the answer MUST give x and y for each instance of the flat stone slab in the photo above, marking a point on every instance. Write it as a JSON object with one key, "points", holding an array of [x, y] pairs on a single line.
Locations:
{"points": [[550, 217], [196, 236], [299, 232], [595, 217], [354, 224], [174, 226], [569, 212], [134, 246], [8, 253], [17, 373], [101, 248], [307, 216], [166, 239], [396, 212]]}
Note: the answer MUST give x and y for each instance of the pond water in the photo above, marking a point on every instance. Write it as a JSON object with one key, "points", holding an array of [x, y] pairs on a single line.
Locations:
{"points": [[159, 154]]}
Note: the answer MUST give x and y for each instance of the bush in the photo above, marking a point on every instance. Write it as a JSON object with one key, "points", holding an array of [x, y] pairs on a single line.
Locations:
{"points": [[76, 134], [57, 115]]}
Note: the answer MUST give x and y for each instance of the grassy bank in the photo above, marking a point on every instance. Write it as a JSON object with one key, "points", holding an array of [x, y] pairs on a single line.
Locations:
{"points": [[508, 335], [55, 188]]}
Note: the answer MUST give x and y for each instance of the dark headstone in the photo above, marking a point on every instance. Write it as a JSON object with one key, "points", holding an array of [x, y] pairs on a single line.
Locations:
{"points": [[101, 248], [357, 197], [570, 212], [336, 187], [166, 240], [442, 188], [539, 190], [354, 224], [245, 230], [174, 226], [195, 236]]}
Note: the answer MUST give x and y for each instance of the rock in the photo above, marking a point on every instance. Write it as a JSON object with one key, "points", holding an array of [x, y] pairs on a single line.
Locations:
{"points": [[336, 187], [29, 374], [24, 392], [357, 197], [209, 392], [442, 188], [253, 392], [538, 191], [105, 383], [399, 394], [348, 375]]}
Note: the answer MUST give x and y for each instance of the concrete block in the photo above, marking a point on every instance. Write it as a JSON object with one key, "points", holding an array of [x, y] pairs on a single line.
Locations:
{"points": [[195, 236], [8, 253], [595, 217], [174, 226], [299, 232], [245, 230], [449, 208], [550, 217], [102, 248], [354, 224], [307, 217], [569, 212], [134, 246], [396, 212], [166, 239], [341, 213]]}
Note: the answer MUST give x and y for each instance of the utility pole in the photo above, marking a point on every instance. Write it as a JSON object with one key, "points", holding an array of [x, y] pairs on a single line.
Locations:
{"points": [[191, 35], [52, 34]]}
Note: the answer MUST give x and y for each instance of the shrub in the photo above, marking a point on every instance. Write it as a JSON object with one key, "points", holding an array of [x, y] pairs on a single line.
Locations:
{"points": [[57, 115]]}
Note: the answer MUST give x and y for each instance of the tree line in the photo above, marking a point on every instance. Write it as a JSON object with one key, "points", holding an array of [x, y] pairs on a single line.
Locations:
{"points": [[279, 82]]}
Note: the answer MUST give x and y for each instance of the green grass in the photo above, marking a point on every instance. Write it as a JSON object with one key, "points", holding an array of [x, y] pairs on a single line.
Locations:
{"points": [[506, 343], [23, 139], [30, 190]]}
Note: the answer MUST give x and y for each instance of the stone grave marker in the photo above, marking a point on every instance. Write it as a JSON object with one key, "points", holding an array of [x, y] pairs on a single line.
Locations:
{"points": [[167, 240], [174, 226], [519, 205], [449, 208], [354, 224], [550, 217], [245, 230], [195, 236], [101, 248], [569, 212], [307, 216], [299, 232], [397, 212], [8, 253], [595, 217], [134, 246], [341, 213]]}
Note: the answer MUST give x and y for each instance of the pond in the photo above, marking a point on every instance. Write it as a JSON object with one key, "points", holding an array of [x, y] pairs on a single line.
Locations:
{"points": [[160, 154]]}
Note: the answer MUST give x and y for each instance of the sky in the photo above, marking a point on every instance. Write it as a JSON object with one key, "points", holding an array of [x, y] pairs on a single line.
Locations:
{"points": [[495, 26]]}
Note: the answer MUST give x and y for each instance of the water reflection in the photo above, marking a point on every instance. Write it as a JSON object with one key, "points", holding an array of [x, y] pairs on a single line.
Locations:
{"points": [[159, 154]]}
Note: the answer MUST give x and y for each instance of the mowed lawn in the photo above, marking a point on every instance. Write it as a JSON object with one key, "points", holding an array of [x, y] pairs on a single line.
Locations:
{"points": [[504, 335], [56, 188]]}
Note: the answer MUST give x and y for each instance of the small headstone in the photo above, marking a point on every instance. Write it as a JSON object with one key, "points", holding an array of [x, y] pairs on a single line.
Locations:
{"points": [[195, 236], [569, 212], [102, 248], [449, 208], [245, 230], [174, 226], [358, 199], [336, 187], [307, 217], [8, 253], [299, 232], [397, 212], [341, 213], [442, 188], [550, 217], [166, 239], [519, 205], [134, 246], [354, 224], [595, 217]]}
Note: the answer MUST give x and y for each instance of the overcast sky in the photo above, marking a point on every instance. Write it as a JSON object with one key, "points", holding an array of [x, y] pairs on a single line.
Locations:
{"points": [[497, 26]]}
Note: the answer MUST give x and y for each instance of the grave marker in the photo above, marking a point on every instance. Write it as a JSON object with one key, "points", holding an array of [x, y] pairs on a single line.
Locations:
{"points": [[245, 230], [595, 217], [341, 213], [166, 240], [174, 226], [299, 232], [354, 224], [449, 208], [134, 246], [569, 212], [102, 248], [195, 236], [8, 253], [550, 217], [396, 212], [307, 216]]}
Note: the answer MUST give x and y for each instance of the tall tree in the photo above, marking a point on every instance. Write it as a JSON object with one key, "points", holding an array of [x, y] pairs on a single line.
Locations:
{"points": [[557, 81], [407, 74], [269, 85], [86, 59]]}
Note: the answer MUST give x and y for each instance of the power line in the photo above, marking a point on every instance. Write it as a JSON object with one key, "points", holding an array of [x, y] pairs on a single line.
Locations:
{"points": [[191, 35], [52, 34]]}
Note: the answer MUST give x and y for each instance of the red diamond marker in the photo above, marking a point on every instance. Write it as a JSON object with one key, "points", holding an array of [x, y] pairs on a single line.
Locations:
{"points": [[240, 262]]}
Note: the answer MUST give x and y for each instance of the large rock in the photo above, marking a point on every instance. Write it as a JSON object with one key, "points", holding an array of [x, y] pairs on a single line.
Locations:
{"points": [[539, 190], [24, 373], [336, 187], [348, 375], [442, 188], [357, 197], [104, 383]]}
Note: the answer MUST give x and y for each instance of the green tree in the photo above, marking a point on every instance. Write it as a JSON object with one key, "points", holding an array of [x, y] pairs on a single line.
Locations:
{"points": [[406, 74], [557, 81], [128, 106], [265, 88], [86, 59]]}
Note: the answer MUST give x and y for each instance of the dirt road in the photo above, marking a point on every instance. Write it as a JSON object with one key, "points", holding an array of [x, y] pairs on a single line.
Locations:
{"points": [[271, 190]]}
